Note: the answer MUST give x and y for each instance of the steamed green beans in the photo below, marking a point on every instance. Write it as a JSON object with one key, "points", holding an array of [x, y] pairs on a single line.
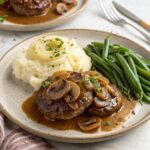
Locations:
{"points": [[128, 70]]}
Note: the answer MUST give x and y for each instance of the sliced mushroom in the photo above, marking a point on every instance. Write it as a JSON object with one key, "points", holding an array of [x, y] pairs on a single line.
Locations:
{"points": [[44, 94], [103, 94], [112, 90], [76, 77], [101, 103], [89, 124], [60, 75], [61, 8], [73, 105], [70, 2], [58, 89], [87, 83], [114, 105], [74, 92], [103, 80]]}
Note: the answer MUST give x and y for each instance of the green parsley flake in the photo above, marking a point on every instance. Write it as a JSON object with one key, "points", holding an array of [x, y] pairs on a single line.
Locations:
{"points": [[60, 42], [3, 18], [108, 123], [96, 84], [49, 48], [56, 55], [2, 2], [46, 83]]}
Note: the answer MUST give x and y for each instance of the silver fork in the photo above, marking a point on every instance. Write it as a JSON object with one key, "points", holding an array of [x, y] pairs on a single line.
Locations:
{"points": [[115, 17]]}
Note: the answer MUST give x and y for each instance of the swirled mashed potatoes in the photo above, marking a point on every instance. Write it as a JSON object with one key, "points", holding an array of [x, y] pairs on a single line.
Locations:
{"points": [[48, 55]]}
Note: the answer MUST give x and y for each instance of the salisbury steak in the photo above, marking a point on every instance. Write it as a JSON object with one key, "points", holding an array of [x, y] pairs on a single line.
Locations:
{"points": [[30, 7], [63, 96], [66, 95]]}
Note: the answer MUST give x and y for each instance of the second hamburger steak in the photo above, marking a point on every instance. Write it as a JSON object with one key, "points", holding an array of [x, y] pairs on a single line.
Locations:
{"points": [[30, 7]]}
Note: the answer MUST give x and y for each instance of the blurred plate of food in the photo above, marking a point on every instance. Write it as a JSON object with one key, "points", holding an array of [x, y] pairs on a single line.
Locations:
{"points": [[38, 15]]}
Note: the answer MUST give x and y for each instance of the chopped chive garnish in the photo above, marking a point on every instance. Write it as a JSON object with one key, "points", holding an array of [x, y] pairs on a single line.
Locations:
{"points": [[46, 83], [108, 123], [3, 18]]}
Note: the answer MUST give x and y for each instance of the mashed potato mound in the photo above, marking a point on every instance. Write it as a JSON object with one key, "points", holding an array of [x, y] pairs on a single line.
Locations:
{"points": [[48, 55]]}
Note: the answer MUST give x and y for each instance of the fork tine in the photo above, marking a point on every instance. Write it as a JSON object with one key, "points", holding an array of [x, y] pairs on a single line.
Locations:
{"points": [[114, 11], [106, 11], [109, 7]]}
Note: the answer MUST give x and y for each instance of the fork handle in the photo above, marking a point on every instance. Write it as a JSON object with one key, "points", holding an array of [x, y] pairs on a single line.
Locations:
{"points": [[144, 24], [145, 34]]}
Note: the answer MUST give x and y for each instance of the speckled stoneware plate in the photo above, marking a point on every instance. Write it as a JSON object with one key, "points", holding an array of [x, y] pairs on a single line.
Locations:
{"points": [[10, 26], [13, 92]]}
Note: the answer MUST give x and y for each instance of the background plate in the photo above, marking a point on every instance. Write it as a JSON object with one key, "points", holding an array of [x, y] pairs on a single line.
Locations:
{"points": [[10, 26], [13, 92]]}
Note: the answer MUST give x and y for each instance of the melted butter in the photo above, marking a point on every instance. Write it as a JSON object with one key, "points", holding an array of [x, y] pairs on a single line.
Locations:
{"points": [[13, 17], [30, 108]]}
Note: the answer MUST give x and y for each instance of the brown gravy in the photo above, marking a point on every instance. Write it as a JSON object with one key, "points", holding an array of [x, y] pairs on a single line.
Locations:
{"points": [[13, 17], [108, 123]]}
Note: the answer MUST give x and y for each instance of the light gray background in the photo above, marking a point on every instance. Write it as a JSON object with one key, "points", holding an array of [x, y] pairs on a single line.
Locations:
{"points": [[93, 18]]}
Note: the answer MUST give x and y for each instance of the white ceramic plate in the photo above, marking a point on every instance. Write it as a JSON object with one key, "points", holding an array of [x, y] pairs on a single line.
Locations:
{"points": [[10, 26], [13, 92]]}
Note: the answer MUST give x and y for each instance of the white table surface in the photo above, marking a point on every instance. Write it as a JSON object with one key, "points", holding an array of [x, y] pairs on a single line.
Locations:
{"points": [[93, 18]]}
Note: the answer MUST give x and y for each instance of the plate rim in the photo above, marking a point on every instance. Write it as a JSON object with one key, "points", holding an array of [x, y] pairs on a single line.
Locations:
{"points": [[44, 25], [74, 139]]}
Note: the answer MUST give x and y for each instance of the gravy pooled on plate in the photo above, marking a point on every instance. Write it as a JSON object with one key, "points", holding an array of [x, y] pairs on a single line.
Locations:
{"points": [[85, 101]]}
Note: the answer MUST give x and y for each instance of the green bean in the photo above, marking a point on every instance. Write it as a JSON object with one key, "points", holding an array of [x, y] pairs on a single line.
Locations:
{"points": [[105, 48], [146, 98], [112, 48], [98, 44], [132, 65], [107, 74], [139, 62], [143, 72], [119, 71], [146, 61], [130, 75], [119, 83], [99, 61], [118, 48], [146, 88], [143, 80], [112, 58], [147, 93], [117, 79], [95, 49], [88, 50]]}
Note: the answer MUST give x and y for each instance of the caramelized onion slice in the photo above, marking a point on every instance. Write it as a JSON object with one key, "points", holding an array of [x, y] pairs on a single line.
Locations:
{"points": [[58, 89], [89, 124]]}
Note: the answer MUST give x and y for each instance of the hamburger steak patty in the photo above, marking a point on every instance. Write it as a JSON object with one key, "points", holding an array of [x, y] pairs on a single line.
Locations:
{"points": [[30, 7], [66, 95], [64, 98]]}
